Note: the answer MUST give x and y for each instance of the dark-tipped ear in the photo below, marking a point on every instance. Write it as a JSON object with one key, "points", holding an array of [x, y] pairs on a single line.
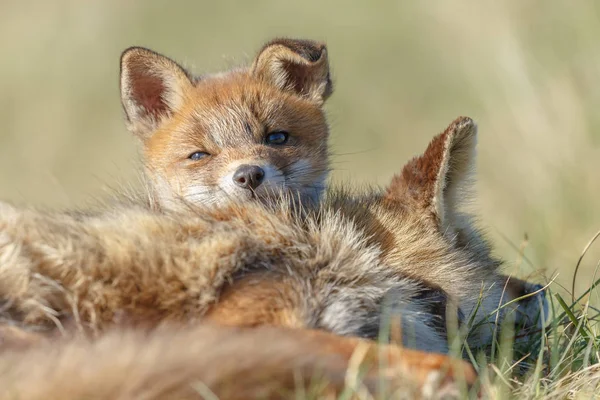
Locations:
{"points": [[152, 89], [440, 180], [298, 66]]}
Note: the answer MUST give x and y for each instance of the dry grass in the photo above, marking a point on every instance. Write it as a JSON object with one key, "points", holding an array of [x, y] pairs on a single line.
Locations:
{"points": [[527, 72]]}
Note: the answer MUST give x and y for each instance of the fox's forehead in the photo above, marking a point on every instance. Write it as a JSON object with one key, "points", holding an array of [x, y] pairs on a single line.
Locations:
{"points": [[231, 111], [228, 110]]}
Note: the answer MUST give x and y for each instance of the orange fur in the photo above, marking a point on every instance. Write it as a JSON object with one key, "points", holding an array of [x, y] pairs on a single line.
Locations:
{"points": [[265, 301], [227, 118], [140, 284], [186, 363]]}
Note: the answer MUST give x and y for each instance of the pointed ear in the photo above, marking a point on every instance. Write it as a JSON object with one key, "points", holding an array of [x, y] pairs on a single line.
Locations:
{"points": [[440, 180], [298, 66], [152, 89]]}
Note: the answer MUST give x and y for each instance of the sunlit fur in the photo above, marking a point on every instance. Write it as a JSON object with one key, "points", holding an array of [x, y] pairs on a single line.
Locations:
{"points": [[228, 116], [407, 253], [336, 265]]}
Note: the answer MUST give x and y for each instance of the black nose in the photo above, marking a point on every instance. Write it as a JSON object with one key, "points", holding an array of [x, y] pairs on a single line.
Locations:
{"points": [[249, 176]]}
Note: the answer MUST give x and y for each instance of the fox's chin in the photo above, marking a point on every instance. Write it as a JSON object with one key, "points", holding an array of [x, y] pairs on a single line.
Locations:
{"points": [[268, 195], [304, 198], [274, 197]]}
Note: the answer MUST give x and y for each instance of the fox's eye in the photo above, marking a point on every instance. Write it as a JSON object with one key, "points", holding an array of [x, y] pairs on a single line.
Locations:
{"points": [[197, 155], [280, 137]]}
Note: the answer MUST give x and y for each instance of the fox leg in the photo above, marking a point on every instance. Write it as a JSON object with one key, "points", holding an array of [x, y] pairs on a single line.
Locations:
{"points": [[390, 360]]}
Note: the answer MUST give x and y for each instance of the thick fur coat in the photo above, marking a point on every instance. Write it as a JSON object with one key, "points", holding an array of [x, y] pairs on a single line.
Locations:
{"points": [[189, 293], [344, 267]]}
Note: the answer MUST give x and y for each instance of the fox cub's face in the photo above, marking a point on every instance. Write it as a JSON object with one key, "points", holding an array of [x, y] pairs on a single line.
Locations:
{"points": [[253, 133]]}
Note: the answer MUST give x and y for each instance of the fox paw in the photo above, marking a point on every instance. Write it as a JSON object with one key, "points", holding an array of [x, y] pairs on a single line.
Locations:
{"points": [[436, 375]]}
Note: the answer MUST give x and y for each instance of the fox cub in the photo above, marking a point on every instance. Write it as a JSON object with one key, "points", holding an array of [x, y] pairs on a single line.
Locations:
{"points": [[325, 279], [251, 133], [324, 282], [408, 251]]}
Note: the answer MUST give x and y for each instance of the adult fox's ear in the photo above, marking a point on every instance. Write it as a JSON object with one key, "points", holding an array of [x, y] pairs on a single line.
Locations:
{"points": [[297, 66], [440, 180], [153, 87]]}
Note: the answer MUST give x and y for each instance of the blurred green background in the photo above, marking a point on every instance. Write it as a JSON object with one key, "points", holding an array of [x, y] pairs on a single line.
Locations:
{"points": [[527, 71]]}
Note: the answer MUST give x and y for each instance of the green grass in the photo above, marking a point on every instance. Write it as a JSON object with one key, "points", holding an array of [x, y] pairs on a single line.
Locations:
{"points": [[560, 362]]}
